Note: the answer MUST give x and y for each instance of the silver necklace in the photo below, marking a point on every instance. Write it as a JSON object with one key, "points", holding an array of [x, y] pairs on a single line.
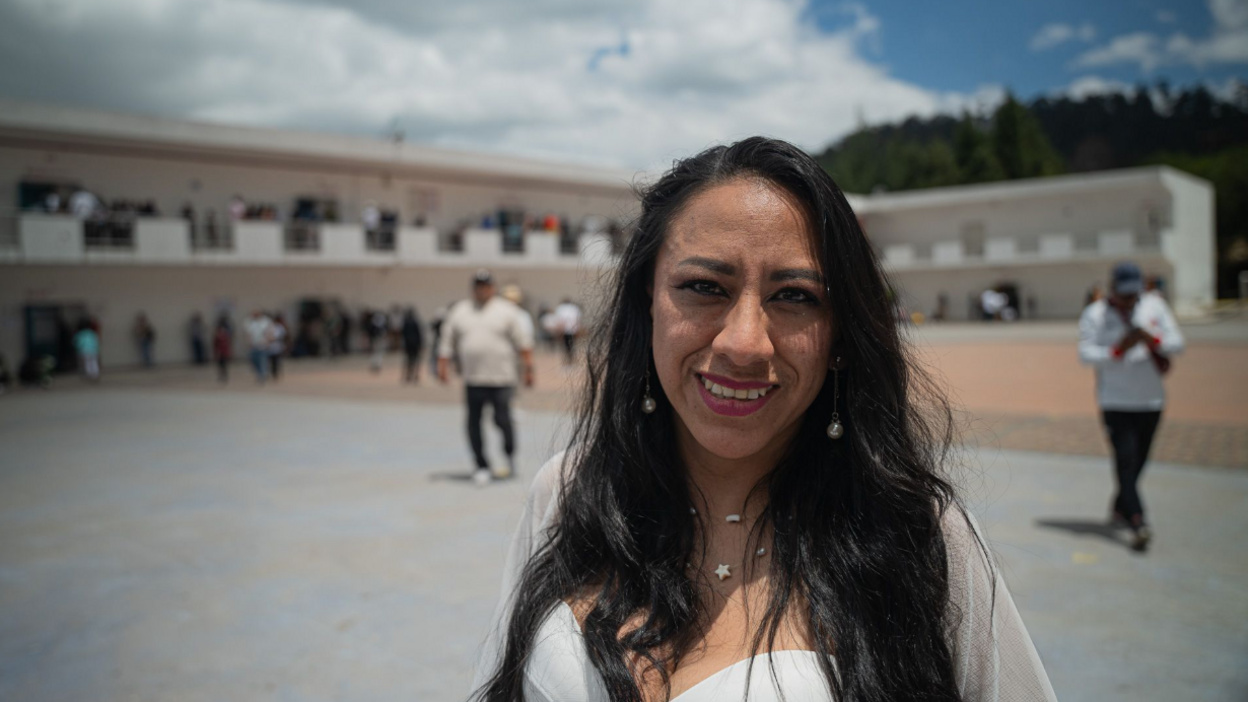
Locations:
{"points": [[724, 570]]}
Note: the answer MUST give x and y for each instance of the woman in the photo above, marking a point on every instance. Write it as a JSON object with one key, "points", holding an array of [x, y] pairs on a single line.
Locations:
{"points": [[753, 498]]}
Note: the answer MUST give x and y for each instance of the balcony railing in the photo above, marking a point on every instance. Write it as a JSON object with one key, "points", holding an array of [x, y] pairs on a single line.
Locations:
{"points": [[303, 236], [44, 238], [382, 238], [211, 236], [109, 232], [10, 234], [1023, 249]]}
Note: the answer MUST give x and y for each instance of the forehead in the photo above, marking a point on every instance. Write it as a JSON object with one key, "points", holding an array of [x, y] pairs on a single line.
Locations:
{"points": [[747, 221]]}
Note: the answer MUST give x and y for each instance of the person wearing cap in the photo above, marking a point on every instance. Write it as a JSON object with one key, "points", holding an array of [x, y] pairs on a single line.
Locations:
{"points": [[487, 335], [1129, 337]]}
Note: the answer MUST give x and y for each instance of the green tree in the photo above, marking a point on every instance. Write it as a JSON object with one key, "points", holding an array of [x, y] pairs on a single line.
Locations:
{"points": [[972, 151], [910, 165], [856, 164], [1228, 171], [1020, 146]]}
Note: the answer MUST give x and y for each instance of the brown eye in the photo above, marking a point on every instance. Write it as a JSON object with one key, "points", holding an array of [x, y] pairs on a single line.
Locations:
{"points": [[796, 295], [701, 287]]}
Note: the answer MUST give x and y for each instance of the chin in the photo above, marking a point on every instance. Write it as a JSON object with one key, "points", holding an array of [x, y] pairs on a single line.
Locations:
{"points": [[729, 443]]}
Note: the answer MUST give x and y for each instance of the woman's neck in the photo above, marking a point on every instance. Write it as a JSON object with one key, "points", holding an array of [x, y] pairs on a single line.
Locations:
{"points": [[725, 483]]}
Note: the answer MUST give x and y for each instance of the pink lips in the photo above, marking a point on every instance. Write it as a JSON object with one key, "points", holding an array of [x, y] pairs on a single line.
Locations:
{"points": [[732, 408], [735, 384]]}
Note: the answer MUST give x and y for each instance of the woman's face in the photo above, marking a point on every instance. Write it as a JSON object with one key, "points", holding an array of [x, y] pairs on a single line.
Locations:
{"points": [[739, 304]]}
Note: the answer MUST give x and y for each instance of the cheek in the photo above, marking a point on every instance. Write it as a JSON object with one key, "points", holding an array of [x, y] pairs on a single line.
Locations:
{"points": [[676, 337], [808, 351]]}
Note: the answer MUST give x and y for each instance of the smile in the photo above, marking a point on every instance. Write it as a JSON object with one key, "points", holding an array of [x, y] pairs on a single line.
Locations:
{"points": [[733, 398]]}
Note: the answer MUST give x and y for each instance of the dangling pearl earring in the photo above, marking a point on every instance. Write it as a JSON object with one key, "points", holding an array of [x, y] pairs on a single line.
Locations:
{"points": [[648, 404], [836, 430]]}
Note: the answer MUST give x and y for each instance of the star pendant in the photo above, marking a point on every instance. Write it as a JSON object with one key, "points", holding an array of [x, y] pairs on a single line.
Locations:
{"points": [[722, 571]]}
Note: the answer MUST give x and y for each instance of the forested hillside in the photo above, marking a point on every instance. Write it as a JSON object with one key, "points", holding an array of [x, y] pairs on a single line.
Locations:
{"points": [[1192, 130]]}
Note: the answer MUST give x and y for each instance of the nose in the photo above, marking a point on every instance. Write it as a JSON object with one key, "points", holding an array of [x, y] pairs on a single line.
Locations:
{"points": [[745, 339]]}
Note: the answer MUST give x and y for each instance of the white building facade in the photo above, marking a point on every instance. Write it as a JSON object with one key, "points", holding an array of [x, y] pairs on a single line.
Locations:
{"points": [[307, 236], [1046, 240], [56, 268]]}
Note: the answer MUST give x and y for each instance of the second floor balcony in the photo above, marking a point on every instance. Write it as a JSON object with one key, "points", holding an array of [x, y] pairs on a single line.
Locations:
{"points": [[37, 238], [1023, 250]]}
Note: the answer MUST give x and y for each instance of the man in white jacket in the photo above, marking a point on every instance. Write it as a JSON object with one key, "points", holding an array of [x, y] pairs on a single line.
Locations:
{"points": [[1129, 338]]}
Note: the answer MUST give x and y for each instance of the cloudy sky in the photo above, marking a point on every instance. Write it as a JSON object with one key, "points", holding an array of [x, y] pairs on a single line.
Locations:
{"points": [[631, 83]]}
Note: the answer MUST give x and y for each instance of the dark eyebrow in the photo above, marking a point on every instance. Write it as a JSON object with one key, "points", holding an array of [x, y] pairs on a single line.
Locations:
{"points": [[709, 264], [797, 274]]}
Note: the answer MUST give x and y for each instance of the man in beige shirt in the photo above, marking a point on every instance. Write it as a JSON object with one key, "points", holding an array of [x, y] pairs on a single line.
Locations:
{"points": [[486, 333]]}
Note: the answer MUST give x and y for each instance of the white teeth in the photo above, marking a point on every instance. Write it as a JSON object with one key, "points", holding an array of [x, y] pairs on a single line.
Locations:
{"points": [[729, 394]]}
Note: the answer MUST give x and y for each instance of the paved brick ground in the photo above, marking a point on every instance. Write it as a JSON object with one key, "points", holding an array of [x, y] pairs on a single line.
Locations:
{"points": [[194, 544], [1028, 392]]}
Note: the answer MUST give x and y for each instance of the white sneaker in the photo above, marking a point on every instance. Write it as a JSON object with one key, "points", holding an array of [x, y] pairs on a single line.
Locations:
{"points": [[482, 477], [506, 471]]}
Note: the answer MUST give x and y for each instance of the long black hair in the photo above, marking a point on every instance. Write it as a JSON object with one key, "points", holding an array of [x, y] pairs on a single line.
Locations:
{"points": [[857, 549]]}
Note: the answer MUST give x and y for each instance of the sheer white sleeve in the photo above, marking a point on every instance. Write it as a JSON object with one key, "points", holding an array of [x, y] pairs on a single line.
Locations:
{"points": [[994, 658], [539, 510]]}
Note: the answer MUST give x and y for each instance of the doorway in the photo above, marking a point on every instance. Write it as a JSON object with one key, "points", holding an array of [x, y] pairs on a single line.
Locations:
{"points": [[49, 329]]}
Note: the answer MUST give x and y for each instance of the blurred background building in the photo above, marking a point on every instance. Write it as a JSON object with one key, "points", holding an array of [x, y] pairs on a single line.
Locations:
{"points": [[108, 215], [1043, 242]]}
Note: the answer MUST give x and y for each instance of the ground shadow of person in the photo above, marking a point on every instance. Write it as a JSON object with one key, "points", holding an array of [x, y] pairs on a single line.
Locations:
{"points": [[1086, 527]]}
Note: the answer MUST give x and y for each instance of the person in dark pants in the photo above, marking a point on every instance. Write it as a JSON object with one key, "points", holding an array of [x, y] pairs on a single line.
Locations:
{"points": [[145, 337], [1129, 338], [486, 334], [1131, 435], [498, 397], [413, 345], [223, 348], [278, 347], [199, 349]]}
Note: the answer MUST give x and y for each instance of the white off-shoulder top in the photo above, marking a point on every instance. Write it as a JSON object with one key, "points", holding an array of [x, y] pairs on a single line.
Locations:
{"points": [[994, 657]]}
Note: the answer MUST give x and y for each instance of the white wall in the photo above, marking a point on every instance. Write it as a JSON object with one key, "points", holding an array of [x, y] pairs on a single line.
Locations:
{"points": [[1191, 244], [169, 295], [1089, 212]]}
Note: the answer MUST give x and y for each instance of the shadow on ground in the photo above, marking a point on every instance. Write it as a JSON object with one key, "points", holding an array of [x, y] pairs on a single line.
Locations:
{"points": [[1085, 527]]}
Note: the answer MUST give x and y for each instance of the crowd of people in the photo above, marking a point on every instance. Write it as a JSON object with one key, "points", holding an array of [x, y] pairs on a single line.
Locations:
{"points": [[84, 204], [111, 222], [264, 338]]}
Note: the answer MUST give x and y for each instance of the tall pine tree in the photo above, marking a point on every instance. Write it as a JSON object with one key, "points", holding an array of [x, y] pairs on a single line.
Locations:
{"points": [[972, 151], [1020, 146]]}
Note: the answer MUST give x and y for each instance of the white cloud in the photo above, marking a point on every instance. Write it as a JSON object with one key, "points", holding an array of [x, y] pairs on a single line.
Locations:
{"points": [[1227, 44], [1229, 14], [984, 100], [1051, 35], [1087, 86], [1141, 47], [627, 82], [1227, 90]]}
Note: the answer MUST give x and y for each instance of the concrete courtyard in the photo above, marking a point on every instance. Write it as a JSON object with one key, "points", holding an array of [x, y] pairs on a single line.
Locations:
{"points": [[163, 538]]}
